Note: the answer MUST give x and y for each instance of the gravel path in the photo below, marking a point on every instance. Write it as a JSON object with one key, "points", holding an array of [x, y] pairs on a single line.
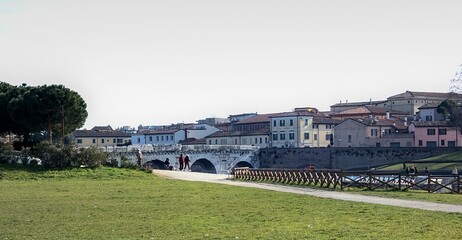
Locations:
{"points": [[224, 179]]}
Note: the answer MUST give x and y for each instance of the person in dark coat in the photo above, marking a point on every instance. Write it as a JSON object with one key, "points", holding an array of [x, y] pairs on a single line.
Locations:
{"points": [[181, 161], [186, 163]]}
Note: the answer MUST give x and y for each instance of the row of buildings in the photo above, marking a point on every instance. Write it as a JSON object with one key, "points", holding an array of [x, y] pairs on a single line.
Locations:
{"points": [[405, 120]]}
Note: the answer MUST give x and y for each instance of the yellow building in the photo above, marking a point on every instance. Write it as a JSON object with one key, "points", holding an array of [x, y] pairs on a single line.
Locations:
{"points": [[301, 129], [251, 138], [100, 137]]}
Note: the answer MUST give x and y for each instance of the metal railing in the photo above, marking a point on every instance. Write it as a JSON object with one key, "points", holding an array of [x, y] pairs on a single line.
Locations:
{"points": [[332, 178]]}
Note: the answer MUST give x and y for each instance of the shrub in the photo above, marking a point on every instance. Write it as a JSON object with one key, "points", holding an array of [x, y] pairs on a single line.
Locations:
{"points": [[6, 153], [125, 162], [90, 157], [53, 156]]}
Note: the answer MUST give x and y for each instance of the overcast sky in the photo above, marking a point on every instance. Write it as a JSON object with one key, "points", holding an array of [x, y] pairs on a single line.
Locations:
{"points": [[160, 62]]}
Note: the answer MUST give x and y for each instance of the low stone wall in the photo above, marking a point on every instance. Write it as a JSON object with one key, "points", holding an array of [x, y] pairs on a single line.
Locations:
{"points": [[343, 158]]}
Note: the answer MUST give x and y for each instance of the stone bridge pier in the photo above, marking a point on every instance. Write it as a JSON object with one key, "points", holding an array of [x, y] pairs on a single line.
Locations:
{"points": [[207, 159]]}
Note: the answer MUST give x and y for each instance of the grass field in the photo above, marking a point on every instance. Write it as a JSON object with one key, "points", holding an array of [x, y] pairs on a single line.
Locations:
{"points": [[438, 163], [107, 203]]}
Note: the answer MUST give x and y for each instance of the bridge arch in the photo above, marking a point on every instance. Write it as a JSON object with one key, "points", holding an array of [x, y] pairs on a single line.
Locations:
{"points": [[203, 165], [243, 164], [154, 164]]}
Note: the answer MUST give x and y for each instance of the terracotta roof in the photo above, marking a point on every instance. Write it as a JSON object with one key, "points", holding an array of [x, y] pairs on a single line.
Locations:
{"points": [[193, 141], [325, 120], [239, 133], [432, 124], [90, 133], [437, 95], [160, 132], [102, 128], [369, 109], [260, 118], [396, 122], [296, 114], [430, 105], [352, 104]]}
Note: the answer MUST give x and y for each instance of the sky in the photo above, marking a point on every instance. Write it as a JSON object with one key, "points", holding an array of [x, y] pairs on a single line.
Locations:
{"points": [[155, 62]]}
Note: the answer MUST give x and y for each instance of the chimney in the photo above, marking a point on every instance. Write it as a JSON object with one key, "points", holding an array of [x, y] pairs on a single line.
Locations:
{"points": [[405, 121], [388, 115]]}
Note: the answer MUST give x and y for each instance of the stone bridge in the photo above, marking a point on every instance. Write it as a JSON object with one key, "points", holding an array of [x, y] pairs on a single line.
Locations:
{"points": [[204, 158]]}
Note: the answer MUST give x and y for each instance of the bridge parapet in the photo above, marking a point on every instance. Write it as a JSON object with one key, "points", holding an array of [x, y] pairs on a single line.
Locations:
{"points": [[207, 158]]}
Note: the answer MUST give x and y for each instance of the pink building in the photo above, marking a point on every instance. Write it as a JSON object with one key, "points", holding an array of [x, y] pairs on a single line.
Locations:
{"points": [[435, 134]]}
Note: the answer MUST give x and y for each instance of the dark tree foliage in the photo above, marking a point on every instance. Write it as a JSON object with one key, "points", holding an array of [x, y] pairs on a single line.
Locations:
{"points": [[48, 108], [7, 124], [451, 112]]}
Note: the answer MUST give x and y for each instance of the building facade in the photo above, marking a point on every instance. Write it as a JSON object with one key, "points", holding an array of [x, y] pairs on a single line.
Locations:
{"points": [[372, 132], [100, 137], [300, 129], [435, 134], [251, 138]]}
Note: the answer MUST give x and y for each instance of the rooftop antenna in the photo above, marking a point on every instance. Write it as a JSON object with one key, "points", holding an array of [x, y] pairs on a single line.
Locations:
{"points": [[456, 82]]}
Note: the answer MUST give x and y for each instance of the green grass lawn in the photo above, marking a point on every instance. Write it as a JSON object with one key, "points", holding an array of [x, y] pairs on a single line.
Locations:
{"points": [[109, 203], [443, 164]]}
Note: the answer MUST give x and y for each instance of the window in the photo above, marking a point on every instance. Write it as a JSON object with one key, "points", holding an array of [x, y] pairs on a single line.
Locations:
{"points": [[451, 143], [328, 137], [328, 126], [315, 126], [442, 143], [282, 123], [275, 136], [216, 141], [79, 141], [442, 131], [162, 138], [291, 136], [150, 138], [315, 137], [210, 142], [119, 140], [223, 141], [235, 141], [102, 140], [291, 123], [244, 141], [261, 140], [157, 137], [171, 138], [431, 144], [428, 118], [282, 136], [306, 122], [94, 140], [420, 143], [274, 123], [374, 132], [349, 138], [113, 140], [256, 140], [306, 135], [431, 131]]}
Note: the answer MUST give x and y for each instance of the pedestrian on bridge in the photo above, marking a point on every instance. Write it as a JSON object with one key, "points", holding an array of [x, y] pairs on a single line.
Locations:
{"points": [[186, 163], [181, 161]]}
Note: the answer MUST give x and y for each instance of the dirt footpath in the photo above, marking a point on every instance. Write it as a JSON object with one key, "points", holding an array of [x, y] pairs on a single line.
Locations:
{"points": [[224, 179]]}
